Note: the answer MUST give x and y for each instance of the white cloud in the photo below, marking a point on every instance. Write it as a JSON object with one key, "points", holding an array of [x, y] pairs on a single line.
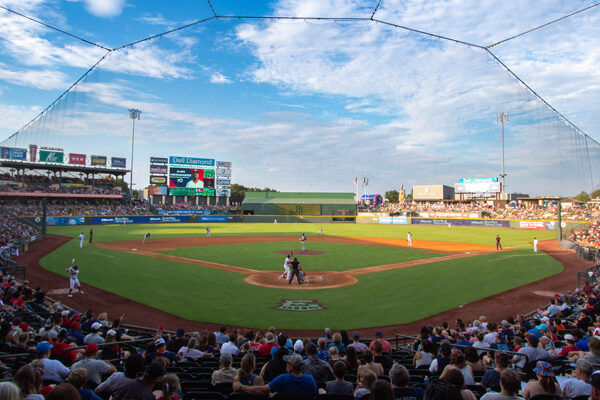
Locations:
{"points": [[104, 8], [42, 79], [157, 19], [219, 78]]}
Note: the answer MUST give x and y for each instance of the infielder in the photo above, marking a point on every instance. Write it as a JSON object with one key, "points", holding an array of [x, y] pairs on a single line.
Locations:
{"points": [[73, 279], [81, 237], [535, 244], [208, 231], [286, 267], [409, 239], [147, 237], [303, 241]]}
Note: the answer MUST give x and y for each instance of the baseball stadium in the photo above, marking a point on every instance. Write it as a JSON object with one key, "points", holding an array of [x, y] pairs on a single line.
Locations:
{"points": [[237, 200]]}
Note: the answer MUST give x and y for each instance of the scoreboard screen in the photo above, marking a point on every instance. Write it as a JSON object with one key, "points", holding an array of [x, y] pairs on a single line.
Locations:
{"points": [[191, 178]]}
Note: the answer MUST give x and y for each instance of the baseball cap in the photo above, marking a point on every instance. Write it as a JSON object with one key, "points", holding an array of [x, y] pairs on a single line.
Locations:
{"points": [[378, 334], [298, 346], [155, 370], [43, 347], [91, 349], [570, 337], [111, 332], [294, 359], [311, 348], [96, 326], [505, 323], [180, 331], [595, 379], [355, 335], [159, 341], [327, 330], [75, 324], [160, 328]]}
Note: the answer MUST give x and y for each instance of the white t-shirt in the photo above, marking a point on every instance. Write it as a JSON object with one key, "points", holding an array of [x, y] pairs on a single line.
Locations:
{"points": [[195, 185], [575, 387]]}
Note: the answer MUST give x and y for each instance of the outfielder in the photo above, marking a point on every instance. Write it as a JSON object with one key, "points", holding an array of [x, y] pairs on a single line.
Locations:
{"points": [[409, 239], [147, 237], [73, 279], [535, 244], [81, 237]]}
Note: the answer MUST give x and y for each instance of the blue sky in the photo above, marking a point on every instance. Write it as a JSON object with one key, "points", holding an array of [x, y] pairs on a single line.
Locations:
{"points": [[307, 105]]}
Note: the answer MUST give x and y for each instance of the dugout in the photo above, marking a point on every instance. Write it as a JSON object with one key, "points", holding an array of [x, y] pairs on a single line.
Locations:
{"points": [[299, 207]]}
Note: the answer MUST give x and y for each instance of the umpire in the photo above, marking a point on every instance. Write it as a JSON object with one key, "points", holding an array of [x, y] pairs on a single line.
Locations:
{"points": [[295, 271]]}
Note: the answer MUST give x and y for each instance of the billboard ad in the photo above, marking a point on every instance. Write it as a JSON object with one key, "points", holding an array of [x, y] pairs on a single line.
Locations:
{"points": [[13, 153], [477, 187], [159, 169], [223, 182], [53, 156], [79, 159], [159, 160], [477, 180], [117, 162], [191, 178], [192, 161], [158, 180], [537, 225], [223, 192], [182, 191], [98, 160], [223, 164], [212, 218], [65, 221], [157, 190], [139, 220], [393, 220], [223, 172], [490, 223], [33, 152]]}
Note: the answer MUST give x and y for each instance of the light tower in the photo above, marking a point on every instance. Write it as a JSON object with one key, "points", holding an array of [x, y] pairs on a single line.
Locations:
{"points": [[502, 116], [133, 114]]}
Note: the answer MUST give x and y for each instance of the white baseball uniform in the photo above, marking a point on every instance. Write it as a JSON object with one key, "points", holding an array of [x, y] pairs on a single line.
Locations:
{"points": [[535, 245], [73, 280], [286, 267], [409, 239], [81, 237]]}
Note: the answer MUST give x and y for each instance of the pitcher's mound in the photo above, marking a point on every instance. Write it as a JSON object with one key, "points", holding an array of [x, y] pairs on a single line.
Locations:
{"points": [[301, 252], [312, 280]]}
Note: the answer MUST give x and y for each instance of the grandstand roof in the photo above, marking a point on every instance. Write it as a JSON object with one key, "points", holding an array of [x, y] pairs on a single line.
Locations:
{"points": [[299, 198], [62, 167]]}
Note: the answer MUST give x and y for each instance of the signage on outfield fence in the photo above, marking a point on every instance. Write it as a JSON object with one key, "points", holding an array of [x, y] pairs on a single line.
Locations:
{"points": [[158, 180], [158, 169], [223, 164], [157, 190], [191, 161], [159, 160], [52, 156], [65, 220], [223, 172], [223, 192], [79, 159], [223, 182], [118, 162], [98, 160]]}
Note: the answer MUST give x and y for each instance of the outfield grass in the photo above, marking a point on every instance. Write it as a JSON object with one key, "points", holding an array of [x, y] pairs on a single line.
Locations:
{"points": [[383, 298], [337, 257]]}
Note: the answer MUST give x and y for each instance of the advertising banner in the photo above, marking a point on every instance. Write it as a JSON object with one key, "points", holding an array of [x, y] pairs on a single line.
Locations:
{"points": [[449, 214], [477, 187], [192, 162], [53, 156], [159, 160], [491, 223], [158, 180], [223, 172], [184, 212], [5, 152], [117, 162], [393, 220], [477, 180], [537, 225], [223, 192], [223, 164], [32, 152], [550, 225], [223, 182], [139, 219], [13, 153], [98, 160], [205, 192], [157, 190], [158, 169], [191, 178], [212, 218], [79, 159], [65, 221]]}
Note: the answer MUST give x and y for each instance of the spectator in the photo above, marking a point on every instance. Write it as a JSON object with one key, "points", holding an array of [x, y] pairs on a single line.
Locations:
{"points": [[246, 374], [178, 342], [454, 377], [380, 358], [337, 343], [95, 368], [294, 382], [9, 391], [510, 384], [94, 337], [141, 389], [532, 352], [29, 382], [545, 382], [61, 350], [335, 357], [594, 346], [365, 384], [276, 366], [386, 347], [442, 359], [265, 349], [64, 391], [74, 334], [491, 336], [356, 344], [322, 351], [119, 380], [473, 359], [491, 378], [339, 386], [191, 352], [425, 356], [569, 345], [299, 347], [220, 335], [229, 346], [170, 387], [382, 390], [54, 370], [370, 364], [441, 390], [400, 378], [579, 385], [459, 362], [225, 373], [78, 378], [595, 382], [352, 359], [160, 350], [320, 370]]}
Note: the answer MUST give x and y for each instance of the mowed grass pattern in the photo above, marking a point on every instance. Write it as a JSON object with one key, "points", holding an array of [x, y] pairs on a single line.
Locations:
{"points": [[378, 299], [337, 257]]}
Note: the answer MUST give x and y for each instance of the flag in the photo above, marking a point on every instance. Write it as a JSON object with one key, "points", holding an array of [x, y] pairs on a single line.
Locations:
{"points": [[364, 181], [355, 181], [367, 184]]}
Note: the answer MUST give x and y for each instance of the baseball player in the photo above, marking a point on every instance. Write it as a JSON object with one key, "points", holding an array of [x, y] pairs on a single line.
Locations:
{"points": [[147, 237], [286, 267], [81, 237], [498, 243], [208, 231], [303, 241], [320, 233], [535, 244], [73, 279], [409, 239]]}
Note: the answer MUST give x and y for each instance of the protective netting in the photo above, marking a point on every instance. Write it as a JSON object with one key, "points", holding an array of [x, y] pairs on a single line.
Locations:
{"points": [[311, 104]]}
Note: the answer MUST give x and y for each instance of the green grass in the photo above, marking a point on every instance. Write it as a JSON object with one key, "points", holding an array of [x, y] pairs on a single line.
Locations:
{"points": [[337, 257], [378, 299]]}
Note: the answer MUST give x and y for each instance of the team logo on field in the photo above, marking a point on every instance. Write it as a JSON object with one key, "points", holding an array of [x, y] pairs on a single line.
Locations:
{"points": [[299, 305]]}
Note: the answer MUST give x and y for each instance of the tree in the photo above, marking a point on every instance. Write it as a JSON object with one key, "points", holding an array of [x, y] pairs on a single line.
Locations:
{"points": [[238, 192], [392, 196], [583, 196], [596, 194]]}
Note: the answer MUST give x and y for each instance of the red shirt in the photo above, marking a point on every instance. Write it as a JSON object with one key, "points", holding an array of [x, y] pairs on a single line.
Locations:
{"points": [[62, 349], [265, 349]]}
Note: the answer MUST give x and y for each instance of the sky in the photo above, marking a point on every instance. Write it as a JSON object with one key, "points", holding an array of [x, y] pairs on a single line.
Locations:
{"points": [[309, 105]]}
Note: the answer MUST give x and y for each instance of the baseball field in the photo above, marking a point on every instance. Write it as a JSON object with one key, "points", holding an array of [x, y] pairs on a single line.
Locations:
{"points": [[357, 276]]}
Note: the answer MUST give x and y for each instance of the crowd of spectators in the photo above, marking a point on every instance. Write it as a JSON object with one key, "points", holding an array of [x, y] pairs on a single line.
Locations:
{"points": [[588, 237], [13, 235], [75, 207], [66, 184], [60, 352]]}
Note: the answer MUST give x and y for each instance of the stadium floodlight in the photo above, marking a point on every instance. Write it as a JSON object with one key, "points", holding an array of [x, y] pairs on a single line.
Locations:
{"points": [[133, 114], [501, 117]]}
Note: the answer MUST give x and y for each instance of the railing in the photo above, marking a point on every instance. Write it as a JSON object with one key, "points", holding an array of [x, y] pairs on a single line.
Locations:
{"points": [[17, 271]]}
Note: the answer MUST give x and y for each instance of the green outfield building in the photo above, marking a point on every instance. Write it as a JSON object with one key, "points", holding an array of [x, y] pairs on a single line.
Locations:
{"points": [[299, 207]]}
